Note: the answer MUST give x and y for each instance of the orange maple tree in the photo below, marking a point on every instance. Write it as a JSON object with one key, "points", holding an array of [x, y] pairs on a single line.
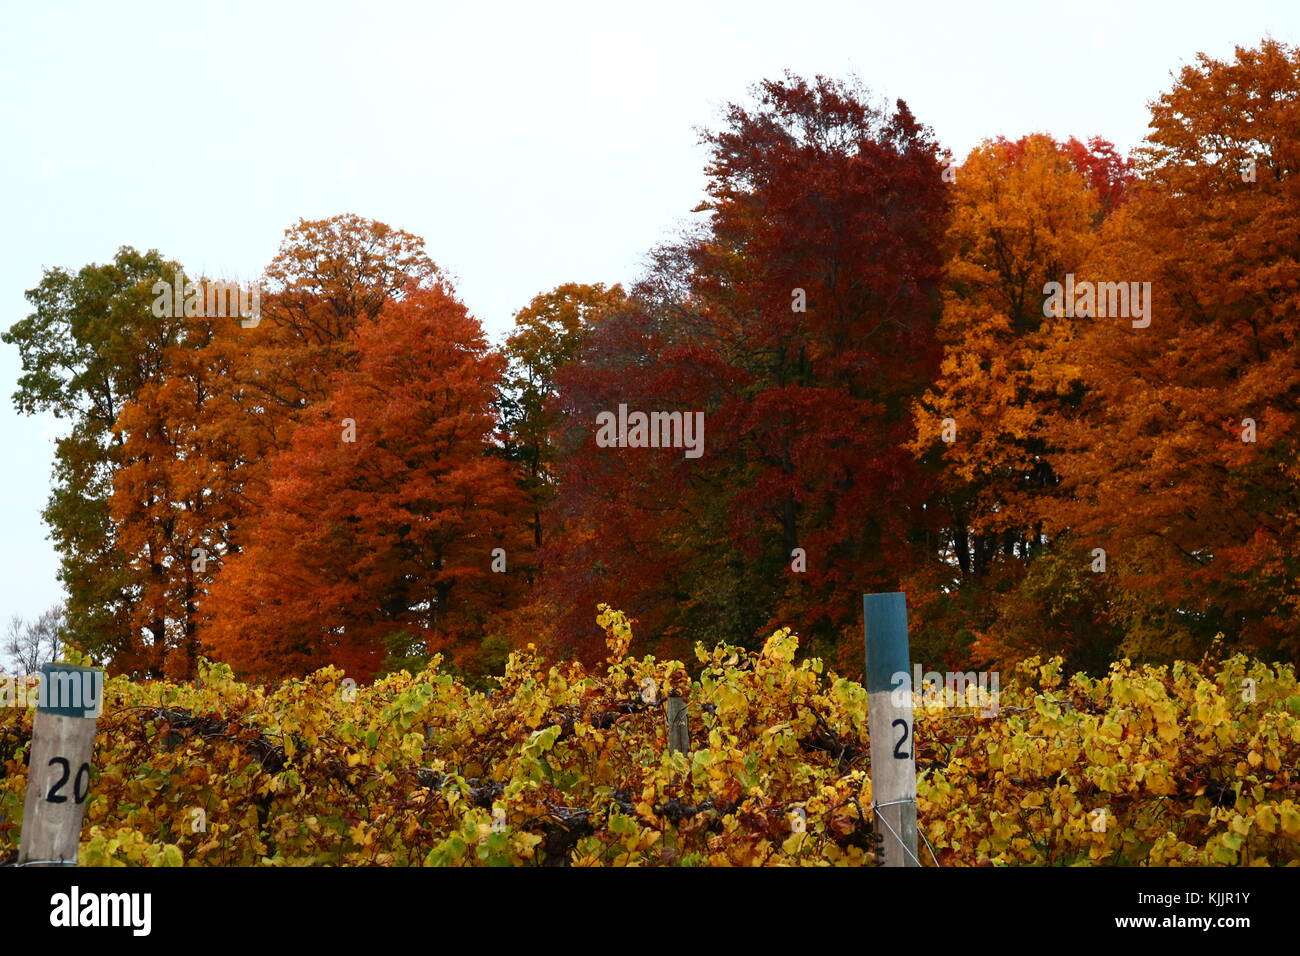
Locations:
{"points": [[1024, 213], [230, 391], [175, 492], [1182, 459], [383, 513]]}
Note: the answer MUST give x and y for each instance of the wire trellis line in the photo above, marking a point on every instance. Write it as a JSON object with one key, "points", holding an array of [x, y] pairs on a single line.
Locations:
{"points": [[906, 849]]}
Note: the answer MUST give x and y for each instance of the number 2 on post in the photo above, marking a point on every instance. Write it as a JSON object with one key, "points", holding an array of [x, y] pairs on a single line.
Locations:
{"points": [[900, 754]]}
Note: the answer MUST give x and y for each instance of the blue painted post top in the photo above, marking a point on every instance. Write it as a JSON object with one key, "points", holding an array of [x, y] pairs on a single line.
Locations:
{"points": [[884, 620], [70, 690]]}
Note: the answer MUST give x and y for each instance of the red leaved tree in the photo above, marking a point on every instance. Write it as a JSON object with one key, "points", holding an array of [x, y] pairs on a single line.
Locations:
{"points": [[800, 320]]}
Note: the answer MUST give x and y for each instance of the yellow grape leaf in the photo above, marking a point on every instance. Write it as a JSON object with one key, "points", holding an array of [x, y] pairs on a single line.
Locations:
{"points": [[1289, 818]]}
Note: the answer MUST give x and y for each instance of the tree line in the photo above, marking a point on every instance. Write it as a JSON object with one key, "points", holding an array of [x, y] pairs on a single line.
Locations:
{"points": [[890, 398]]}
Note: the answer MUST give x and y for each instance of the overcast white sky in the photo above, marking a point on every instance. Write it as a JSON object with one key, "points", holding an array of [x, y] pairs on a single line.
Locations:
{"points": [[530, 144]]}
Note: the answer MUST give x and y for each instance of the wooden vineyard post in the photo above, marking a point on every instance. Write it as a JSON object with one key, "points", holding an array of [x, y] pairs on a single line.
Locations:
{"points": [[889, 712], [679, 737], [58, 766]]}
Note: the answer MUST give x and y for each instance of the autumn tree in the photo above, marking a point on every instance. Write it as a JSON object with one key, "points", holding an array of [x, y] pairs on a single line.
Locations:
{"points": [[1022, 216], [799, 321], [1107, 171], [176, 491], [327, 277], [228, 394], [818, 274], [90, 345], [547, 336], [384, 512], [632, 525], [1182, 459], [1024, 213]]}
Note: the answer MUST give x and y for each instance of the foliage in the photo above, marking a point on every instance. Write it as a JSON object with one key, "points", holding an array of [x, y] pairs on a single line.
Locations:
{"points": [[91, 344], [563, 765], [1181, 460], [890, 404], [798, 320], [1023, 214], [383, 512]]}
